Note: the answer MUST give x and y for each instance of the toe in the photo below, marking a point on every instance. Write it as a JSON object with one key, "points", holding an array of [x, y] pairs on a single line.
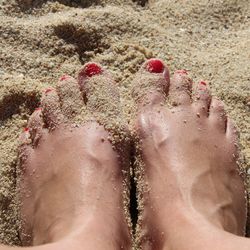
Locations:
{"points": [[25, 149], [88, 71], [180, 88], [71, 99], [51, 109], [150, 84], [231, 131], [100, 91], [202, 98], [217, 114], [35, 126]]}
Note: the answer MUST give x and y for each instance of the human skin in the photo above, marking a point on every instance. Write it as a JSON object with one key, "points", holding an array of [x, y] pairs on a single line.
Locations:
{"points": [[194, 197], [71, 182], [73, 187]]}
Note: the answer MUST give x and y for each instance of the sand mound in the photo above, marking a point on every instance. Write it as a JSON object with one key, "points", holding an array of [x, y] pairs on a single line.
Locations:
{"points": [[41, 40]]}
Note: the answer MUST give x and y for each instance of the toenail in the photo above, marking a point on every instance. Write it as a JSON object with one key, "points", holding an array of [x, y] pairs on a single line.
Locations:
{"points": [[46, 91], [181, 71], [26, 129], [64, 77], [155, 66], [202, 86], [92, 69]]}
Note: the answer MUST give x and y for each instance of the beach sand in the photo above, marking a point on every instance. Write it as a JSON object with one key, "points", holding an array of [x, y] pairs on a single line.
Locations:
{"points": [[41, 40]]}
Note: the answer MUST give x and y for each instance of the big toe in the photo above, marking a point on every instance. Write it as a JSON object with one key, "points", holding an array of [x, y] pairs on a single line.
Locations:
{"points": [[101, 94], [150, 84]]}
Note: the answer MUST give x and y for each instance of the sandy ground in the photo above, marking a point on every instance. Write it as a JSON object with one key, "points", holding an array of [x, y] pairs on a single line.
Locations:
{"points": [[41, 40]]}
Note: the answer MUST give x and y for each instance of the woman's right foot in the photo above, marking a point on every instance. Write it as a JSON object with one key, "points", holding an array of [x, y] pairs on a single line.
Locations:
{"points": [[187, 171]]}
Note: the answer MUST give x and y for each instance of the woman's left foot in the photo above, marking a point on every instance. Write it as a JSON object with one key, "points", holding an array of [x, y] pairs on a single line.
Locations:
{"points": [[73, 176]]}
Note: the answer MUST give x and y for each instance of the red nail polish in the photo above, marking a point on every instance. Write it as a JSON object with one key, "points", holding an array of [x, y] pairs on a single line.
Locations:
{"points": [[155, 66], [26, 129], [91, 69], [181, 71], [203, 83], [48, 90], [64, 77]]}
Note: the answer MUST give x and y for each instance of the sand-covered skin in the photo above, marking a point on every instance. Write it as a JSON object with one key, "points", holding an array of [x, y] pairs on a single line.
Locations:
{"points": [[42, 40]]}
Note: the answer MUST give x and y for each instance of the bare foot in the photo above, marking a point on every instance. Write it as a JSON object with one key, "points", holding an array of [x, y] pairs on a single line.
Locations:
{"points": [[72, 178], [188, 174]]}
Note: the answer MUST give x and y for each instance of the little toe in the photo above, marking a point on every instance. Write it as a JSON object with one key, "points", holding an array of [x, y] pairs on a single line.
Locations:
{"points": [[217, 114], [202, 98], [25, 138], [100, 92], [180, 88], [232, 131], [52, 114], [25, 148], [35, 126], [70, 96], [151, 84]]}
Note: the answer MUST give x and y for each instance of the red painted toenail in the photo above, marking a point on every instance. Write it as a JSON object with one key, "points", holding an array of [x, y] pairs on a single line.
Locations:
{"points": [[155, 66], [26, 129], [46, 91], [64, 77], [182, 71], [92, 69], [203, 83]]}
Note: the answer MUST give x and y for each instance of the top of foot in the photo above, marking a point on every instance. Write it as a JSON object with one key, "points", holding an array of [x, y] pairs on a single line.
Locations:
{"points": [[188, 157], [72, 177]]}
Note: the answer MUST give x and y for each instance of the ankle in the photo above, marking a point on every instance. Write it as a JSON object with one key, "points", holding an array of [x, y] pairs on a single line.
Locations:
{"points": [[190, 217], [195, 233], [165, 230], [55, 231], [217, 215], [86, 232], [195, 229]]}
